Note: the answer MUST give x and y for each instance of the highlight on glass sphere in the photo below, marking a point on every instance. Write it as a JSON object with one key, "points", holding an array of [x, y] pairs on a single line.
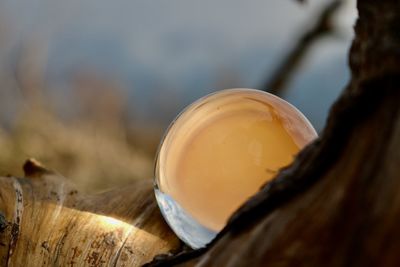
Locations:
{"points": [[218, 152]]}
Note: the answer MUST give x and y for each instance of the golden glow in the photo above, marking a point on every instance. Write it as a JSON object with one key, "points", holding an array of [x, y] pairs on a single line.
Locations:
{"points": [[112, 222], [224, 147]]}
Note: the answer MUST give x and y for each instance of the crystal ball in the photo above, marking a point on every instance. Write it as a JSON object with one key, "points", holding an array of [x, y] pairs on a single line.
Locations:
{"points": [[218, 152]]}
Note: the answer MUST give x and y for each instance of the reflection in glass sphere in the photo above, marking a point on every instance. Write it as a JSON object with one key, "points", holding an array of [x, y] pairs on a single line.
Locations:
{"points": [[218, 152]]}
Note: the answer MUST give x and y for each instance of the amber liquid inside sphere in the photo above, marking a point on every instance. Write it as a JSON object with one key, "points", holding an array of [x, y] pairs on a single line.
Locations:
{"points": [[224, 147]]}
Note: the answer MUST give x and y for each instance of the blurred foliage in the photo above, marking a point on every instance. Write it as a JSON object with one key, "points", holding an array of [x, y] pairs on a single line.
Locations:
{"points": [[95, 148], [85, 133]]}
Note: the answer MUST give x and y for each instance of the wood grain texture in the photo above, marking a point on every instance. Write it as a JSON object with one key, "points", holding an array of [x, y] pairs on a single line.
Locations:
{"points": [[45, 221]]}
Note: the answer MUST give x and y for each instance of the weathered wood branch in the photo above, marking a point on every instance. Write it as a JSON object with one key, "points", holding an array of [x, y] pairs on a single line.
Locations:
{"points": [[45, 221], [323, 26]]}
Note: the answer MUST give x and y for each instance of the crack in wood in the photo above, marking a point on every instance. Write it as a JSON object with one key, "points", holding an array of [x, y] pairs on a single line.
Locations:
{"points": [[17, 220], [3, 222]]}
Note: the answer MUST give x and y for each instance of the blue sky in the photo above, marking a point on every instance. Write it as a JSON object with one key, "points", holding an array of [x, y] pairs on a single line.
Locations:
{"points": [[180, 48]]}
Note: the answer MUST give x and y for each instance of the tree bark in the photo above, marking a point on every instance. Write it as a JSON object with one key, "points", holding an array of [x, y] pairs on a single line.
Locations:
{"points": [[45, 221]]}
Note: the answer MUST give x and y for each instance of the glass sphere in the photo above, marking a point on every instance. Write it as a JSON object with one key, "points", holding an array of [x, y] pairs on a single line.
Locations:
{"points": [[218, 152]]}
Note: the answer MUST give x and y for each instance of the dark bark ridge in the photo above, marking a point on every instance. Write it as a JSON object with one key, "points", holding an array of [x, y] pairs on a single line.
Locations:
{"points": [[338, 203]]}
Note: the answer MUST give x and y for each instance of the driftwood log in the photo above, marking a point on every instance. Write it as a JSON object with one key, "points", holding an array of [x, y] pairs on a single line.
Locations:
{"points": [[338, 204], [45, 221]]}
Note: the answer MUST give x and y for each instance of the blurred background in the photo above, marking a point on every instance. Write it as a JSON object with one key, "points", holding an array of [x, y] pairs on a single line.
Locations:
{"points": [[88, 87]]}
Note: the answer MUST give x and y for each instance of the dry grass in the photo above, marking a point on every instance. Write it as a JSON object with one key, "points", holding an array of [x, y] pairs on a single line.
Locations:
{"points": [[94, 151], [84, 133]]}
